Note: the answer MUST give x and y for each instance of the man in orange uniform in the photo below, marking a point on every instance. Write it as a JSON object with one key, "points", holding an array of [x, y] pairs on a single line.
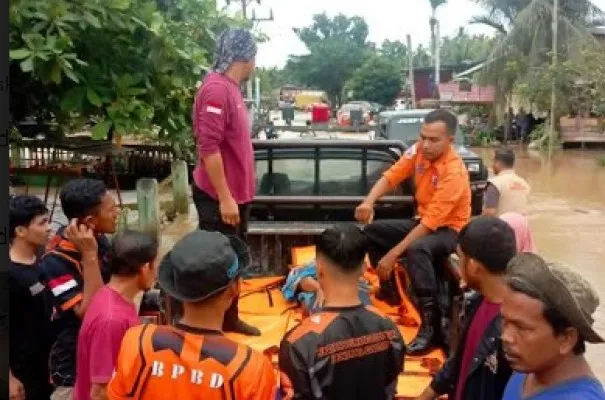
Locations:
{"points": [[193, 360], [443, 197]]}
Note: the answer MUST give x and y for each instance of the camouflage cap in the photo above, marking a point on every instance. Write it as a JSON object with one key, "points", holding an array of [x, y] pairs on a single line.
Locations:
{"points": [[561, 288]]}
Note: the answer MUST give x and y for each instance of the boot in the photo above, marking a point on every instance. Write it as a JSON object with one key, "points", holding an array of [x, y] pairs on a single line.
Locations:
{"points": [[388, 292], [423, 341], [239, 326]]}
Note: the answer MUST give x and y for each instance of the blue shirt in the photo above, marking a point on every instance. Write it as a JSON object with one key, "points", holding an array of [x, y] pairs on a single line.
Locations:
{"points": [[577, 389]]}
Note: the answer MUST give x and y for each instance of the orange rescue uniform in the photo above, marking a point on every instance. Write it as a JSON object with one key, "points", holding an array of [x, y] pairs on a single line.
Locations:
{"points": [[443, 190], [185, 363]]}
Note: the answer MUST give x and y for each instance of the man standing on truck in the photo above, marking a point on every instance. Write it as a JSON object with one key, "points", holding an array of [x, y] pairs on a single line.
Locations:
{"points": [[443, 196], [224, 179], [506, 191]]}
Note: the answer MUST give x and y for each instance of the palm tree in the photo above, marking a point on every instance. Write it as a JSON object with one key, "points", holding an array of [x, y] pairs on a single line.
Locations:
{"points": [[525, 35], [433, 22]]}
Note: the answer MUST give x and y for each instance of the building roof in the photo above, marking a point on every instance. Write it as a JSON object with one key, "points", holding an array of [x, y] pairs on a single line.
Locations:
{"points": [[598, 31]]}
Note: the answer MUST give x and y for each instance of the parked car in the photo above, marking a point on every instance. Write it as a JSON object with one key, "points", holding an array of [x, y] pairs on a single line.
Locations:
{"points": [[343, 116]]}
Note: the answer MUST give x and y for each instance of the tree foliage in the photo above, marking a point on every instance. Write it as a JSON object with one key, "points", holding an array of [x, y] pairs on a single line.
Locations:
{"points": [[464, 48], [337, 47], [580, 87], [377, 80], [126, 65], [522, 53]]}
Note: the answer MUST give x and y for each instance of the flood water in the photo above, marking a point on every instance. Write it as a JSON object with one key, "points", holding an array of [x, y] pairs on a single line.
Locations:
{"points": [[567, 214]]}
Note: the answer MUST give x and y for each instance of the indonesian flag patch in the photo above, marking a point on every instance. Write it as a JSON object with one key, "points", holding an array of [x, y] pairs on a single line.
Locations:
{"points": [[214, 108]]}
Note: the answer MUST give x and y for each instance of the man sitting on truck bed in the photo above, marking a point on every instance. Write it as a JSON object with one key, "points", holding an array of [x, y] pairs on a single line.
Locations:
{"points": [[347, 350], [443, 197]]}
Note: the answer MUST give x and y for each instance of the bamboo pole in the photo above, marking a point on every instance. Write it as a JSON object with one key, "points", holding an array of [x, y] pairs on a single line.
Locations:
{"points": [[149, 206], [180, 186], [411, 70]]}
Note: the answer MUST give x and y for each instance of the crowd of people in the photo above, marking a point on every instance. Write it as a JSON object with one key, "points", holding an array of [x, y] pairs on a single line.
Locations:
{"points": [[75, 332]]}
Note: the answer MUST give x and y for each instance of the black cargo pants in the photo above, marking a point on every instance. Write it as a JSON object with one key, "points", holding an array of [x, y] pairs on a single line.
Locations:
{"points": [[210, 220], [422, 257]]}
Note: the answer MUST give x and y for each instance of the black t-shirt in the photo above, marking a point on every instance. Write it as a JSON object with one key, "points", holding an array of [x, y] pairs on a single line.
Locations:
{"points": [[342, 353], [31, 329], [61, 272]]}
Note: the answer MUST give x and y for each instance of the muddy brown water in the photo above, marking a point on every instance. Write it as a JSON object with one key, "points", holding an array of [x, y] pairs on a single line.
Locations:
{"points": [[567, 214]]}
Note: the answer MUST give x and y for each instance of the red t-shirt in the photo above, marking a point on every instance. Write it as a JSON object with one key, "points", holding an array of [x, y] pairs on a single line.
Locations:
{"points": [[485, 314], [221, 125], [107, 319]]}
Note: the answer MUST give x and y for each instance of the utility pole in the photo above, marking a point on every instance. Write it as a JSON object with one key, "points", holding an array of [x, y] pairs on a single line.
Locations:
{"points": [[553, 95], [245, 4], [411, 71], [437, 55]]}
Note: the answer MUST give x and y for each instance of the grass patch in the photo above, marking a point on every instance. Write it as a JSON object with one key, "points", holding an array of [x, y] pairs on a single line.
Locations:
{"points": [[601, 161]]}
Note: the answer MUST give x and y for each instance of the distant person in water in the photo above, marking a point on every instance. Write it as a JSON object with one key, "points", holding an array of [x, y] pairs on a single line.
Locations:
{"points": [[546, 321], [506, 191], [523, 235]]}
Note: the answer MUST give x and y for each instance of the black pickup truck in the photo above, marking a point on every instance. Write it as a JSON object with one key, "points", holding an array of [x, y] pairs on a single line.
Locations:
{"points": [[306, 185]]}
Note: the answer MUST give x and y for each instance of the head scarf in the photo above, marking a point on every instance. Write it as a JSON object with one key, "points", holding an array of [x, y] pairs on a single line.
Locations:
{"points": [[523, 236], [234, 44]]}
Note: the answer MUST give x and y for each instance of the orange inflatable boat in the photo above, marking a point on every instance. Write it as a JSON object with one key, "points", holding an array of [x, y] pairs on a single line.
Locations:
{"points": [[263, 305]]}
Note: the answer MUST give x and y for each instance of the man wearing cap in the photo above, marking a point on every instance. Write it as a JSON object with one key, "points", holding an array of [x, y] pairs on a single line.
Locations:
{"points": [[193, 359], [224, 180], [547, 318]]}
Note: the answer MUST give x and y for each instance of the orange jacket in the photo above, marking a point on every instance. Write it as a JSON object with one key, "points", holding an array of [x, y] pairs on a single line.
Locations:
{"points": [[184, 363], [443, 190]]}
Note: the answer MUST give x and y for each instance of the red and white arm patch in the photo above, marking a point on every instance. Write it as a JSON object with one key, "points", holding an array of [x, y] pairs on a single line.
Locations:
{"points": [[214, 108]]}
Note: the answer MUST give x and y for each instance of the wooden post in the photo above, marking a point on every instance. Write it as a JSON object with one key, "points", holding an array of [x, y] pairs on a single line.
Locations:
{"points": [[180, 186], [149, 206], [411, 70], [123, 220]]}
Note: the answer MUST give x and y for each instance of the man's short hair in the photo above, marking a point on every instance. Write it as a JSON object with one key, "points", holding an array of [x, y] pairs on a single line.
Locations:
{"points": [[554, 318], [22, 211], [442, 115], [505, 156], [344, 245], [130, 250], [80, 197], [489, 240]]}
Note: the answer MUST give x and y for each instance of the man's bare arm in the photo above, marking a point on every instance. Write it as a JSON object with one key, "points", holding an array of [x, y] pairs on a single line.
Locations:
{"points": [[93, 281], [216, 173], [491, 199]]}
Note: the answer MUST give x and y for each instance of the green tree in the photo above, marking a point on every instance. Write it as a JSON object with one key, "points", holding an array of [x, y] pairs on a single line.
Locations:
{"points": [[377, 80], [337, 47], [464, 48], [126, 66], [525, 37], [394, 50], [422, 57], [271, 80]]}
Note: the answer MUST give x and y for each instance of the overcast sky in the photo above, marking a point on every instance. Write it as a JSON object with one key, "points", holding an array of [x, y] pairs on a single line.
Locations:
{"points": [[387, 19]]}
